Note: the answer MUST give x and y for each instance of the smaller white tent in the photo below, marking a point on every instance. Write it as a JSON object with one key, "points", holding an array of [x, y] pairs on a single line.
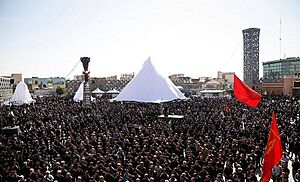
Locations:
{"points": [[21, 95], [79, 94], [113, 93], [97, 92]]}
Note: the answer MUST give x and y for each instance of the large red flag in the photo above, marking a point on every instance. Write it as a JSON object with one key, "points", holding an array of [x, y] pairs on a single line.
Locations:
{"points": [[273, 152], [245, 94]]}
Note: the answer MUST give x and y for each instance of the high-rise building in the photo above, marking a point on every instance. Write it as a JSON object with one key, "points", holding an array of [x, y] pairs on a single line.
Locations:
{"points": [[251, 56]]}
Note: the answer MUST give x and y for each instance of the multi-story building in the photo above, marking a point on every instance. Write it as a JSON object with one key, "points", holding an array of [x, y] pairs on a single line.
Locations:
{"points": [[36, 83], [175, 77], [214, 84], [204, 79], [288, 86], [111, 78], [6, 89], [16, 78], [277, 69], [228, 77], [127, 76], [185, 83], [79, 77], [251, 56]]}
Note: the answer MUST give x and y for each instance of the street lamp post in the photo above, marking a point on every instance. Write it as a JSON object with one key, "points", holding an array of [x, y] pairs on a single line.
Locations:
{"points": [[86, 87]]}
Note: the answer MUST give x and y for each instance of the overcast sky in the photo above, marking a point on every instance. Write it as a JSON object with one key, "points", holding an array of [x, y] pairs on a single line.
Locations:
{"points": [[194, 37]]}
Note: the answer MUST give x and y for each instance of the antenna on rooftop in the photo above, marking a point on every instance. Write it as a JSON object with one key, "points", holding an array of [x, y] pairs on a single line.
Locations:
{"points": [[280, 39]]}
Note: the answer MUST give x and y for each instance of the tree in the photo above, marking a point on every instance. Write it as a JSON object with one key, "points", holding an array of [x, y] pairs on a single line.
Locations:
{"points": [[60, 91], [49, 82]]}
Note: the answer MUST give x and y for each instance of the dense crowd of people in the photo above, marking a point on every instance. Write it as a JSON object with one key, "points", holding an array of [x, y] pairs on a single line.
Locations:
{"points": [[217, 140]]}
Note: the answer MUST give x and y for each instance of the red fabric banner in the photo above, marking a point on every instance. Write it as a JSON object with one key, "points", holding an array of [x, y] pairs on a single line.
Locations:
{"points": [[245, 94], [273, 152]]}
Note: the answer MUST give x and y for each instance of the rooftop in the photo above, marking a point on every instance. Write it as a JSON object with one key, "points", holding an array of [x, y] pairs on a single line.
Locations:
{"points": [[289, 59]]}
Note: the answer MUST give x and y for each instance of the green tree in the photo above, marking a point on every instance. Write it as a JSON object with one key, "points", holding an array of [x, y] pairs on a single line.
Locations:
{"points": [[60, 91]]}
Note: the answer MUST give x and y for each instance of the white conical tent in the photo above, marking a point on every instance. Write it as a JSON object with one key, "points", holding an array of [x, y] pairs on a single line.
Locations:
{"points": [[21, 95], [79, 94], [150, 86]]}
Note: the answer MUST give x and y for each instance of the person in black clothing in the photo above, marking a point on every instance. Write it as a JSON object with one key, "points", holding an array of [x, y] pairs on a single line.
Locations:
{"points": [[296, 166], [127, 140], [59, 177], [228, 170], [252, 177], [13, 176]]}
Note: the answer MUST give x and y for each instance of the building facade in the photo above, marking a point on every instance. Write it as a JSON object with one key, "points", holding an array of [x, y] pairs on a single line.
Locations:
{"points": [[287, 86], [175, 77], [273, 70], [214, 84], [228, 78], [127, 76], [6, 89], [16, 78], [251, 56], [111, 78], [78, 77], [36, 83]]}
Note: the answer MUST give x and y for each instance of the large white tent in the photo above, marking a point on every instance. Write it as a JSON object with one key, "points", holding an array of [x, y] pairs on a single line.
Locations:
{"points": [[21, 95], [150, 86], [79, 94]]}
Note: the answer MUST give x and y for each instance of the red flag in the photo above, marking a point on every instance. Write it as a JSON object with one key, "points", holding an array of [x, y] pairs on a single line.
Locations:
{"points": [[245, 94], [227, 108], [273, 152]]}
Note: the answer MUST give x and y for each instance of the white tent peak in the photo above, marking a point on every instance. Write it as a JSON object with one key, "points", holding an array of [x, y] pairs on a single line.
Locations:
{"points": [[21, 95], [150, 86]]}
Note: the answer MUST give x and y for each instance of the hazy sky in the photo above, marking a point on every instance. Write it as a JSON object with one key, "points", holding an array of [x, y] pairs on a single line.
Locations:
{"points": [[194, 37]]}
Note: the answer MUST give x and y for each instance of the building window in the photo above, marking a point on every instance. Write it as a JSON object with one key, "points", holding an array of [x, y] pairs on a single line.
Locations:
{"points": [[297, 84]]}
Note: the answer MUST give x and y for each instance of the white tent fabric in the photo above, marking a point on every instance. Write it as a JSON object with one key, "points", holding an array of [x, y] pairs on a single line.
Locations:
{"points": [[79, 94], [150, 86], [114, 91], [21, 95], [98, 91]]}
